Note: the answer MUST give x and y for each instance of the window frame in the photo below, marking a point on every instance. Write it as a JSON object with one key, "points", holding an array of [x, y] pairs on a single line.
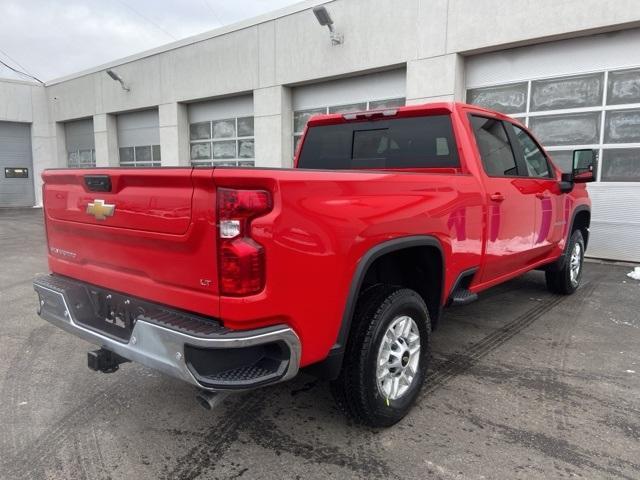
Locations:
{"points": [[236, 138], [77, 153], [520, 157], [155, 163], [519, 165]]}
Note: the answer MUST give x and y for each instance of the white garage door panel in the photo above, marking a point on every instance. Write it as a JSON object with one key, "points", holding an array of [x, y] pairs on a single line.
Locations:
{"points": [[138, 128], [15, 152], [221, 109], [615, 222], [375, 86], [565, 57], [79, 135]]}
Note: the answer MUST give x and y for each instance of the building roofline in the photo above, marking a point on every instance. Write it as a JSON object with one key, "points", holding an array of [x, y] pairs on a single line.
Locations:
{"points": [[200, 37], [20, 81]]}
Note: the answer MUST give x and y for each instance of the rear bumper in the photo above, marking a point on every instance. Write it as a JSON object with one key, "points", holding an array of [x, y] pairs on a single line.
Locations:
{"points": [[197, 350]]}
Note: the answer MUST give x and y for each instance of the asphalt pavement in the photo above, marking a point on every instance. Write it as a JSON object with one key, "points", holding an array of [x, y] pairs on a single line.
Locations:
{"points": [[522, 384]]}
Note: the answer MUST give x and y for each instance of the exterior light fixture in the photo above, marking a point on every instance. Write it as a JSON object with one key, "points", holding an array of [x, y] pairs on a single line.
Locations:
{"points": [[324, 19], [117, 78]]}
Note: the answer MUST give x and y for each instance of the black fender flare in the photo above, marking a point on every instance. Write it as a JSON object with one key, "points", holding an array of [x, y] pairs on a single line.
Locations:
{"points": [[580, 208], [330, 367]]}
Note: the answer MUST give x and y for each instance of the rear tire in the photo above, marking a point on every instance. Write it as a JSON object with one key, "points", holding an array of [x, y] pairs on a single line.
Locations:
{"points": [[566, 280], [386, 358]]}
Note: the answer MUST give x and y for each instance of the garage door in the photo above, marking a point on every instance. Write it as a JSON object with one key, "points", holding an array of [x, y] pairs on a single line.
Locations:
{"points": [[221, 132], [16, 166], [365, 92], [80, 143], [578, 93], [139, 139]]}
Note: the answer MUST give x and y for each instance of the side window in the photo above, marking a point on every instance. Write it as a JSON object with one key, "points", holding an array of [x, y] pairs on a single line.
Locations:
{"points": [[535, 161], [495, 149]]}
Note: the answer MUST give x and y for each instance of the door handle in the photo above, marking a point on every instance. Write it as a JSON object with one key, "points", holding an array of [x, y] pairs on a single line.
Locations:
{"points": [[542, 195], [497, 197]]}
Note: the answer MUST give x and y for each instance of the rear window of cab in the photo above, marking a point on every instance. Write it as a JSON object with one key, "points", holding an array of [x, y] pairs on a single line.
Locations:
{"points": [[402, 143]]}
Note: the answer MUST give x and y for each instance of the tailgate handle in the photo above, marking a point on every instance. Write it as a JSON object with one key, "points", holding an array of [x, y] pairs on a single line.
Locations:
{"points": [[98, 183]]}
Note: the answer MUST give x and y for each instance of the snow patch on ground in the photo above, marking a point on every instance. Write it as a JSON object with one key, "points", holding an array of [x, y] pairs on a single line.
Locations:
{"points": [[622, 322], [635, 274]]}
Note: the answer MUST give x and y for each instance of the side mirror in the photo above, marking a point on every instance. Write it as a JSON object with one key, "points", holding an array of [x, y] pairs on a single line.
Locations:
{"points": [[584, 166]]}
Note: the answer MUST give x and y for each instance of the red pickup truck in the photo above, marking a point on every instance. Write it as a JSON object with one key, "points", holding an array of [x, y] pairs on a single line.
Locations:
{"points": [[235, 278]]}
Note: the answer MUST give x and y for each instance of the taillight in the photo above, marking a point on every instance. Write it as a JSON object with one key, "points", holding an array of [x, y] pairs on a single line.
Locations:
{"points": [[242, 262]]}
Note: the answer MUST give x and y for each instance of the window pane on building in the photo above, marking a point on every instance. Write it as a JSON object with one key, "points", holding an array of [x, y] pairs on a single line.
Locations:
{"points": [[354, 107], [200, 131], [622, 126], [384, 104], [224, 149], [569, 129], [245, 127], [568, 92], [143, 154], [621, 165], [238, 143], [623, 87], [224, 128], [505, 98], [157, 157], [201, 151], [563, 159], [85, 159], [245, 149], [126, 155], [73, 160], [301, 118]]}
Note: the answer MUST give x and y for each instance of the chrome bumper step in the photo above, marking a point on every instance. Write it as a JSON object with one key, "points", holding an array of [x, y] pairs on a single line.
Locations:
{"points": [[196, 349]]}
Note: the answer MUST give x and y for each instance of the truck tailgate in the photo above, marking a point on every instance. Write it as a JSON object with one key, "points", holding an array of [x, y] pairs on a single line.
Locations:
{"points": [[152, 234]]}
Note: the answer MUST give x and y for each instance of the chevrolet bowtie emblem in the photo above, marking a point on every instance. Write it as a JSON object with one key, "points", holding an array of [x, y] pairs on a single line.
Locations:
{"points": [[100, 210]]}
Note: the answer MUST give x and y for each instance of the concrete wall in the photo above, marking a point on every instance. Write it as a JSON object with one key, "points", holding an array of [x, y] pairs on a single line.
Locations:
{"points": [[270, 55], [26, 102]]}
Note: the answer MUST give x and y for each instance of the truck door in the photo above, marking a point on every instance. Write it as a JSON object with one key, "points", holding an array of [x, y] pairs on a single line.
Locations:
{"points": [[542, 184], [510, 207]]}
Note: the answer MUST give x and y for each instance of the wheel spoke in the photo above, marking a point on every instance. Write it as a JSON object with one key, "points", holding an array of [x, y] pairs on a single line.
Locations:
{"points": [[395, 387], [406, 330], [391, 335], [399, 328]]}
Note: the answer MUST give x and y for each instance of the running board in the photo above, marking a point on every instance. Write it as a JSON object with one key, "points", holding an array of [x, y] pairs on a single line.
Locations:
{"points": [[460, 293], [463, 296]]}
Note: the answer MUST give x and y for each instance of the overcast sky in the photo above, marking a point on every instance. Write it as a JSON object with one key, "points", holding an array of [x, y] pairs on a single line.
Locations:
{"points": [[53, 38]]}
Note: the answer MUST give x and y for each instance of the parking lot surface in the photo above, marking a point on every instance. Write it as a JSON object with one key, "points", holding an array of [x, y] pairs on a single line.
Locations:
{"points": [[522, 384]]}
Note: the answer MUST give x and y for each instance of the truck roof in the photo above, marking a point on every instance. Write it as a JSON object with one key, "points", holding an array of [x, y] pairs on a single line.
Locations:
{"points": [[406, 111]]}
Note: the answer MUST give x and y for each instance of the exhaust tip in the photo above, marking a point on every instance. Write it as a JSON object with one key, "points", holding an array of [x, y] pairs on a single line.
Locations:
{"points": [[206, 400]]}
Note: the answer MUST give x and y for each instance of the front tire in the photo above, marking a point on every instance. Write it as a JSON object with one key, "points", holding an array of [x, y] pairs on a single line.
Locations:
{"points": [[386, 358], [566, 280]]}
